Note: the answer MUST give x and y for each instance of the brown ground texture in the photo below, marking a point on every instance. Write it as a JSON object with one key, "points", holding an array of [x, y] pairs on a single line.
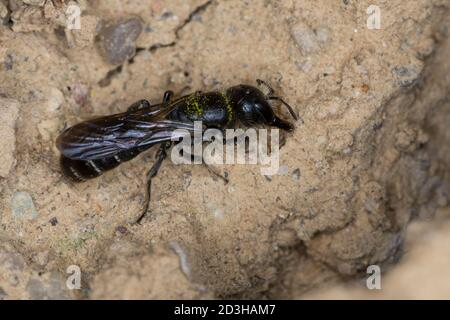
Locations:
{"points": [[365, 177]]}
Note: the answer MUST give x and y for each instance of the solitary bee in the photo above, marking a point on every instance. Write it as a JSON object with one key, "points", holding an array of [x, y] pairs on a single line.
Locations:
{"points": [[94, 146]]}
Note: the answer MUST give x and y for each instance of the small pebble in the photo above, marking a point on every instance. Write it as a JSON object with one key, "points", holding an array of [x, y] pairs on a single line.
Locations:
{"points": [[36, 289], [9, 111], [39, 3], [340, 141], [283, 170], [184, 262], [3, 11], [53, 221], [117, 41], [9, 62], [54, 288], [121, 229], [23, 206], [166, 15], [3, 294], [406, 76], [55, 100], [296, 174], [307, 39]]}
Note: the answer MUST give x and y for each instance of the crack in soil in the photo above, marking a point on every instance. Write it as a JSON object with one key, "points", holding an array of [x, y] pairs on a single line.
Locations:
{"points": [[106, 80], [201, 8]]}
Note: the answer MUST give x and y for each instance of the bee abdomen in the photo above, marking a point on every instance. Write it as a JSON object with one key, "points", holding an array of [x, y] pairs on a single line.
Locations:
{"points": [[82, 170]]}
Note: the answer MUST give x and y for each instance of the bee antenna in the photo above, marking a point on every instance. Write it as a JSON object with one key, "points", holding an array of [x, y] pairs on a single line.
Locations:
{"points": [[291, 111], [266, 85]]}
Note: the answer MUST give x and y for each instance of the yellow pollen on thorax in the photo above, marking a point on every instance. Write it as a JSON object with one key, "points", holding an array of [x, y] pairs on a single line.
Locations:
{"points": [[193, 105], [228, 106]]}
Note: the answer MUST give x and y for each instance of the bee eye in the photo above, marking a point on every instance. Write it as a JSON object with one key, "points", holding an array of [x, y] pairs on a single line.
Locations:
{"points": [[247, 91]]}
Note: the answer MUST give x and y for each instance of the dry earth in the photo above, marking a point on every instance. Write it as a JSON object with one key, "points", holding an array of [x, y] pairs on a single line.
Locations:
{"points": [[371, 156]]}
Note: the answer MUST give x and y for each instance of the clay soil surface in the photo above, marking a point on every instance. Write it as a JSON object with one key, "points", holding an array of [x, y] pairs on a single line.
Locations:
{"points": [[363, 179]]}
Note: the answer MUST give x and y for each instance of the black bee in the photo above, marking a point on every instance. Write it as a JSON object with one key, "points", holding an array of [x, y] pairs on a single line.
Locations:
{"points": [[94, 146]]}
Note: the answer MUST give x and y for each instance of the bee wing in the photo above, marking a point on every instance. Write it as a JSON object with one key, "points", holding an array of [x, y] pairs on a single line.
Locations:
{"points": [[111, 135]]}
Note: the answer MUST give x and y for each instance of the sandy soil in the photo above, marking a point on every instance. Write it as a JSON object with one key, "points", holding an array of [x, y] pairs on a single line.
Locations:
{"points": [[370, 158]]}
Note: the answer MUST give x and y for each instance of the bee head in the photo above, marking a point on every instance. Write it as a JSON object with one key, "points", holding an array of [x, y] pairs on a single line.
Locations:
{"points": [[252, 107]]}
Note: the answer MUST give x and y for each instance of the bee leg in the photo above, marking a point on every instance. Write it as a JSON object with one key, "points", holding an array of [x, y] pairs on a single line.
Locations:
{"points": [[160, 156], [211, 169], [216, 173], [291, 111], [141, 104], [167, 96]]}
